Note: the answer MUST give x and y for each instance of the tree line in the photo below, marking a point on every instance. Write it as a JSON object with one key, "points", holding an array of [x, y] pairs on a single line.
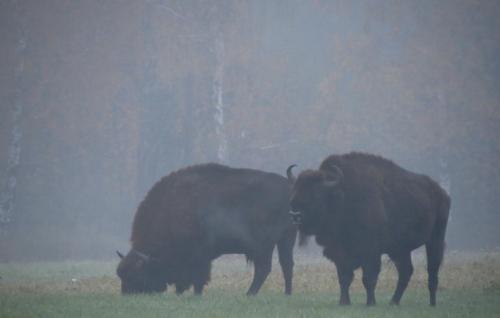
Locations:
{"points": [[101, 99]]}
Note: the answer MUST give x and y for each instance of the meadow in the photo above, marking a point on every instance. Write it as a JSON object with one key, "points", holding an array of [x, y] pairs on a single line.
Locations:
{"points": [[469, 287]]}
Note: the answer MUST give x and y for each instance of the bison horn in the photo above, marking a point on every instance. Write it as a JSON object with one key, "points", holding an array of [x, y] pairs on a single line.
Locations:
{"points": [[289, 173], [333, 178], [143, 256], [120, 255]]}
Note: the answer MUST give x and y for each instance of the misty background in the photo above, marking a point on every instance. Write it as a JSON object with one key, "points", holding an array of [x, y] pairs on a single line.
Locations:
{"points": [[100, 99]]}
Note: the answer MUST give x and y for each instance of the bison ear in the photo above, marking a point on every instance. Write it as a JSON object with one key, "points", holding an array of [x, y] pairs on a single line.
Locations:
{"points": [[289, 173], [120, 255], [333, 176]]}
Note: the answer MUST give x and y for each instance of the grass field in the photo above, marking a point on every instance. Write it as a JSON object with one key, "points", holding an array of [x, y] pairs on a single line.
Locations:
{"points": [[470, 287]]}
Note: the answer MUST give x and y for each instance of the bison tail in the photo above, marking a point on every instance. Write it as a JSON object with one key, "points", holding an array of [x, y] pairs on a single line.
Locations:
{"points": [[303, 239], [436, 245], [249, 260], [442, 217]]}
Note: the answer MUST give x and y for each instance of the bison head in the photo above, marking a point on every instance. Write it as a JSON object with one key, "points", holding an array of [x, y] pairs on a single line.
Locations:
{"points": [[140, 273], [312, 197]]}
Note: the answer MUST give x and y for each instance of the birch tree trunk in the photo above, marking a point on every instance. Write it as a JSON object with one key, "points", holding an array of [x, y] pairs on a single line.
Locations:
{"points": [[218, 102], [7, 194]]}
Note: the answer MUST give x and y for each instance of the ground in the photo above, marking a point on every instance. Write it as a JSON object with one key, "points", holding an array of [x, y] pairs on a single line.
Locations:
{"points": [[469, 287]]}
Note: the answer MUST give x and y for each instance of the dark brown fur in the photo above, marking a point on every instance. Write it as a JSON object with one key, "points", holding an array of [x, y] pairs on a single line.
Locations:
{"points": [[198, 213], [375, 208]]}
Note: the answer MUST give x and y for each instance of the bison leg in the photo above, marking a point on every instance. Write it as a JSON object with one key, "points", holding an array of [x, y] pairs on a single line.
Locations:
{"points": [[201, 277], [405, 270], [262, 268], [345, 276], [435, 250], [371, 269], [285, 254], [180, 288]]}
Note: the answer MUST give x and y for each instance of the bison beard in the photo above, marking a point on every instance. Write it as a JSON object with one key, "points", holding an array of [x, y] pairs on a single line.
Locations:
{"points": [[196, 214], [360, 206]]}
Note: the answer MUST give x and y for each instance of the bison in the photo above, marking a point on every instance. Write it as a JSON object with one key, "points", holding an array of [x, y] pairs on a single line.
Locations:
{"points": [[201, 212], [360, 206]]}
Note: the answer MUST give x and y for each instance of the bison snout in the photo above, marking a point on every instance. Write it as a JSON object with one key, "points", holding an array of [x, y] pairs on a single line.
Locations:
{"points": [[296, 217]]}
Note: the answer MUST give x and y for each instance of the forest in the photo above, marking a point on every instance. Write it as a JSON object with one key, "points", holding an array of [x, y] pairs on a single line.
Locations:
{"points": [[100, 99]]}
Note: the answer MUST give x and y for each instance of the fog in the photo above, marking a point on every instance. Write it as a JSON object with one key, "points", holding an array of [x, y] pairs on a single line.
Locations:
{"points": [[100, 99]]}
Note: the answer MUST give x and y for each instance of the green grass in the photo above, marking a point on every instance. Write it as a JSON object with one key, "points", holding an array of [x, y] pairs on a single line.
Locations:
{"points": [[470, 287], [226, 304]]}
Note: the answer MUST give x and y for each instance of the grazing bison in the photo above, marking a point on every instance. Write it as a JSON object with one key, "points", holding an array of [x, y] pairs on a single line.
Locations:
{"points": [[360, 206], [198, 213]]}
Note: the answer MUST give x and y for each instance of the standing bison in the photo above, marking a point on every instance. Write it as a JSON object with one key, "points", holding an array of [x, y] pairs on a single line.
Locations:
{"points": [[360, 206], [196, 214]]}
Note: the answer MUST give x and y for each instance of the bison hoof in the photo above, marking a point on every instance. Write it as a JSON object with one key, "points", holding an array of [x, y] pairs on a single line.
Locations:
{"points": [[344, 302]]}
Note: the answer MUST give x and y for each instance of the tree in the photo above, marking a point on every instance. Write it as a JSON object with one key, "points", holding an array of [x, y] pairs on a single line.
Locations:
{"points": [[7, 194]]}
